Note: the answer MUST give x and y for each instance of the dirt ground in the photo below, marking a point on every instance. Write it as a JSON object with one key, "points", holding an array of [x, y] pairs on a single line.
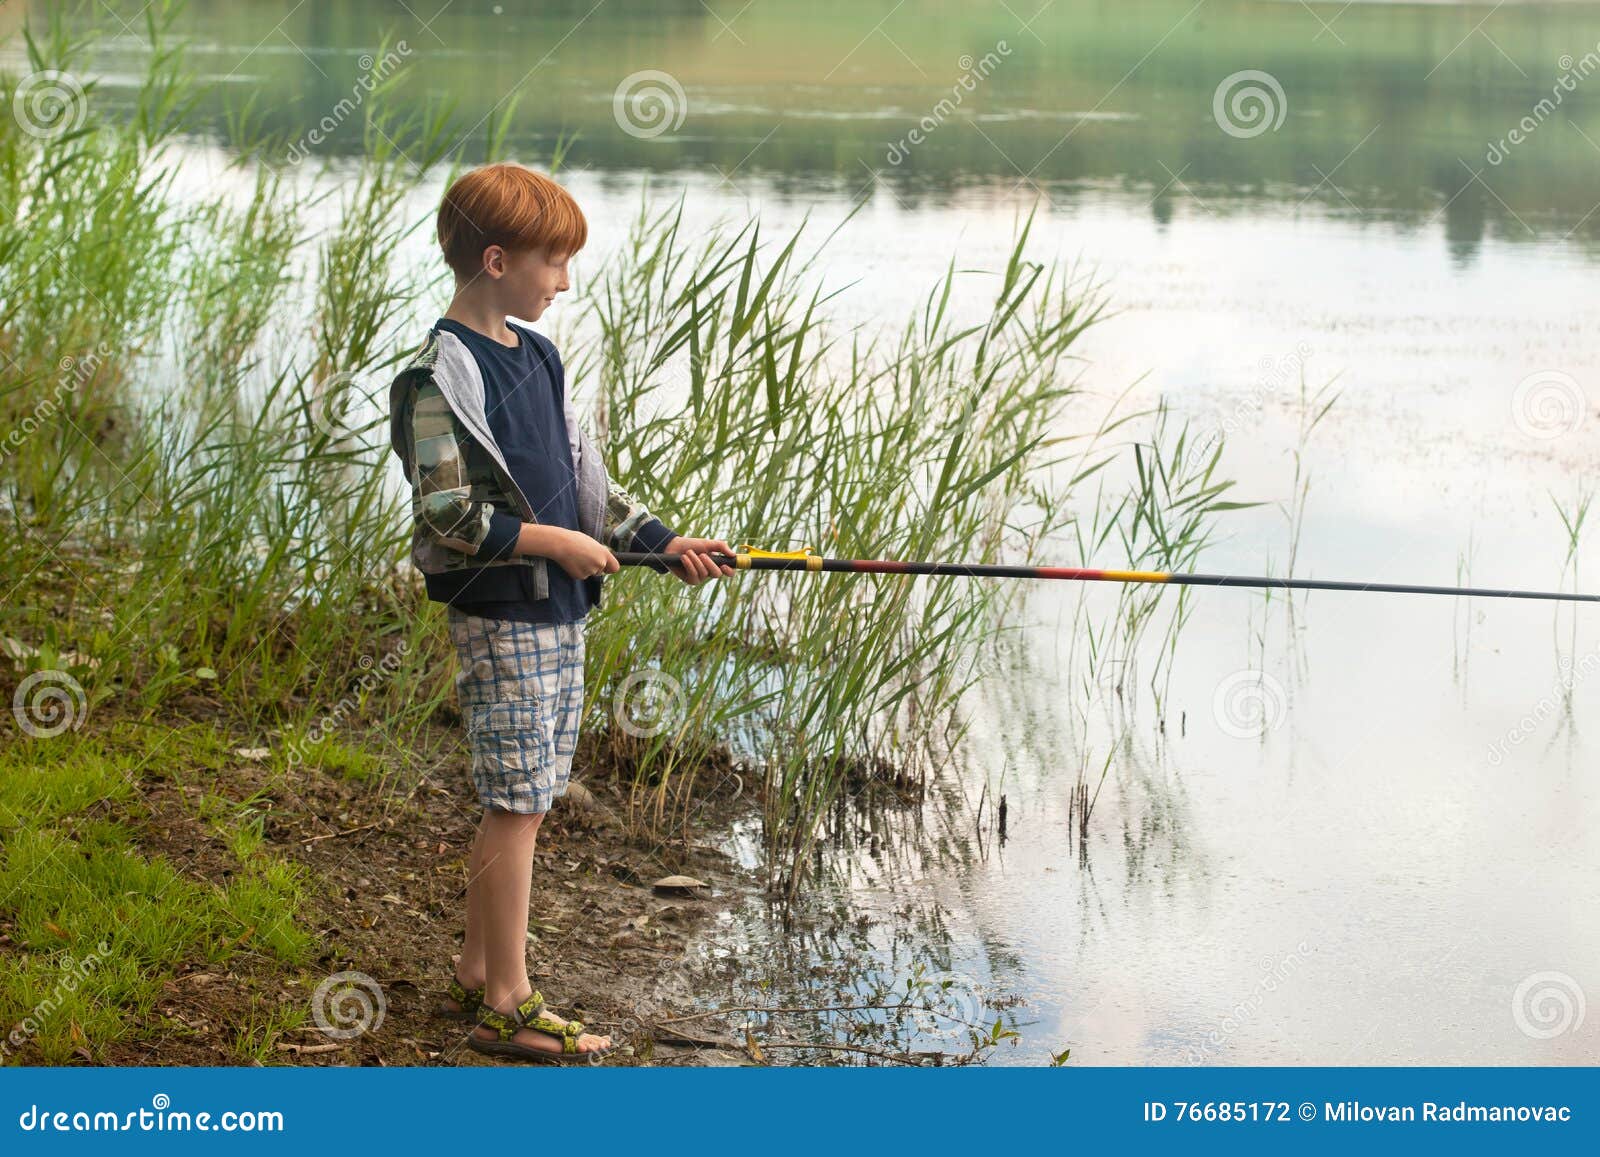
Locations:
{"points": [[386, 876]]}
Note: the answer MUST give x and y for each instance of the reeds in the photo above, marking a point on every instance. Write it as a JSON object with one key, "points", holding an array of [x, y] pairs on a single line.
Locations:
{"points": [[719, 395], [206, 513], [187, 505]]}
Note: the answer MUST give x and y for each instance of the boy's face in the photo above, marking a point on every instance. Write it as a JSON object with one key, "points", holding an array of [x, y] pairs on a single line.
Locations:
{"points": [[526, 280]]}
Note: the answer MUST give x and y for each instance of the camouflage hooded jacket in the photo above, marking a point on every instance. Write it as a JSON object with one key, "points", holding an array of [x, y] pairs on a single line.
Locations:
{"points": [[460, 481]]}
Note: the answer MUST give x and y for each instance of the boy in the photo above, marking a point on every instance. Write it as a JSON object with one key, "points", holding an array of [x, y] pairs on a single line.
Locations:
{"points": [[514, 513]]}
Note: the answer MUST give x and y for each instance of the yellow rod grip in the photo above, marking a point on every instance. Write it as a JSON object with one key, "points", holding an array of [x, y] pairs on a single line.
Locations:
{"points": [[745, 552]]}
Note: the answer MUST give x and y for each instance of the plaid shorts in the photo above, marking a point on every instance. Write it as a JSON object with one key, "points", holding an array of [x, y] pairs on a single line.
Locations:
{"points": [[521, 687]]}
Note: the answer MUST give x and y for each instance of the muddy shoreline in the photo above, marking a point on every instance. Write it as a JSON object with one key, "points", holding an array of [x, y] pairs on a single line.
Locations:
{"points": [[384, 865]]}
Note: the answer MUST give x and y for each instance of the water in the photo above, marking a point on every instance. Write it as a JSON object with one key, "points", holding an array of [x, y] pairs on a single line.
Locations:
{"points": [[1402, 865]]}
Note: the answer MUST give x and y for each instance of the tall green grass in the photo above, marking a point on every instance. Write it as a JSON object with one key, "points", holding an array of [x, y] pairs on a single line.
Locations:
{"points": [[206, 517], [188, 507], [727, 389]]}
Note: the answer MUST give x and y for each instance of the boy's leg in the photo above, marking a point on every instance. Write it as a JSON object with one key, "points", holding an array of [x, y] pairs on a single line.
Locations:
{"points": [[505, 883], [470, 970], [521, 688]]}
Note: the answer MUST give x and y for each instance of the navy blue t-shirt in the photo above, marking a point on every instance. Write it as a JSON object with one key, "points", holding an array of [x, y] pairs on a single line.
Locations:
{"points": [[523, 394]]}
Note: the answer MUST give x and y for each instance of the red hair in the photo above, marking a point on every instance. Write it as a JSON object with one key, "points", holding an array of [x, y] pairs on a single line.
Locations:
{"points": [[509, 205]]}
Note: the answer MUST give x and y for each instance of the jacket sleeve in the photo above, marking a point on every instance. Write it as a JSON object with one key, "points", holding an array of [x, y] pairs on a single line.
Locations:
{"points": [[441, 484], [629, 526]]}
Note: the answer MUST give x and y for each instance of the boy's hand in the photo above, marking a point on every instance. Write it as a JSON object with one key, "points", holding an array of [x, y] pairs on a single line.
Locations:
{"points": [[697, 565], [581, 556]]}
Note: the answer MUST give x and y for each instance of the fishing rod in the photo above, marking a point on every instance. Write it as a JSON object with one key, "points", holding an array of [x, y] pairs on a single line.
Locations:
{"points": [[805, 559]]}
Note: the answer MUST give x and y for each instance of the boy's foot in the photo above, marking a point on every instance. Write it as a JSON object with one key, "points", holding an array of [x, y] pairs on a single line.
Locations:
{"points": [[451, 1006], [532, 1038]]}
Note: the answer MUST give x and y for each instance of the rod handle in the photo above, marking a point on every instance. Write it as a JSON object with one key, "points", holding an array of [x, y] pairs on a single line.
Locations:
{"points": [[739, 560]]}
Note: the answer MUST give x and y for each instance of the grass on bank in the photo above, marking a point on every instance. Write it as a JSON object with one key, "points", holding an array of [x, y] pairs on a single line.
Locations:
{"points": [[96, 926]]}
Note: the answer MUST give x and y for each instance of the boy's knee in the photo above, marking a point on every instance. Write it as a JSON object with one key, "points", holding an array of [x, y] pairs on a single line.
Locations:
{"points": [[526, 822]]}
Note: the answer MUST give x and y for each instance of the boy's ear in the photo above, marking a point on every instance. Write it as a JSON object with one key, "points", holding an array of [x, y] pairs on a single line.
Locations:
{"points": [[494, 261]]}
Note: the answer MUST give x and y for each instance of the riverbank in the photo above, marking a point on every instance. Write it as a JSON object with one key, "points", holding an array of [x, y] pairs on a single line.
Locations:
{"points": [[174, 895]]}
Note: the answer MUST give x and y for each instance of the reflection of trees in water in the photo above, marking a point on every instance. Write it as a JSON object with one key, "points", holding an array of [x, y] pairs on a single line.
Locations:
{"points": [[1398, 135]]}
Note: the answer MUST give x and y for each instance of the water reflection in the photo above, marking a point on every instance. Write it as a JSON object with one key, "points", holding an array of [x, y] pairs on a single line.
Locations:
{"points": [[1385, 113]]}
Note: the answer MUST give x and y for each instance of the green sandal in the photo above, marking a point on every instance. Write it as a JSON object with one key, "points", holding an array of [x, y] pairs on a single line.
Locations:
{"points": [[468, 1000], [527, 1016]]}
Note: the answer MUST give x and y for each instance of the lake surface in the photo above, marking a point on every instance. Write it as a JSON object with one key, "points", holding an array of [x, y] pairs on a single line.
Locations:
{"points": [[1398, 859]]}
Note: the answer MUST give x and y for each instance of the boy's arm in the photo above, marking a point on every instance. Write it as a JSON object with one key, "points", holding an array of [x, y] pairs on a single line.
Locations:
{"points": [[441, 485]]}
